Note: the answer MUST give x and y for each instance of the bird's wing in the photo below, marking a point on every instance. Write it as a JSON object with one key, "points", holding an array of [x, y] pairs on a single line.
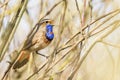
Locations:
{"points": [[28, 42]]}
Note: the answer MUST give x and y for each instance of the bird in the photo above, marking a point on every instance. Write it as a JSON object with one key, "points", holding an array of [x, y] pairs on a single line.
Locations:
{"points": [[39, 38]]}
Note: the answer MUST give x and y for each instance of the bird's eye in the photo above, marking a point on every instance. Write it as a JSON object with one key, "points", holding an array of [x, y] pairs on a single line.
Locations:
{"points": [[46, 21]]}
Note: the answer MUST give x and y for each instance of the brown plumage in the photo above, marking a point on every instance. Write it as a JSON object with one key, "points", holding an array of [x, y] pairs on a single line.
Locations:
{"points": [[36, 40]]}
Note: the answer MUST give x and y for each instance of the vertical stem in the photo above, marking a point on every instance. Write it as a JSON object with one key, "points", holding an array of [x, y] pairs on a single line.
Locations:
{"points": [[15, 23]]}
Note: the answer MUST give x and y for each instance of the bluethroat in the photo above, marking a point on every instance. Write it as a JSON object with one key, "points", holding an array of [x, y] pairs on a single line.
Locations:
{"points": [[39, 38]]}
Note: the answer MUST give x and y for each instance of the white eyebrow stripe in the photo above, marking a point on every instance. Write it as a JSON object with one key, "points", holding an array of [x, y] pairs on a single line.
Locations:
{"points": [[44, 20]]}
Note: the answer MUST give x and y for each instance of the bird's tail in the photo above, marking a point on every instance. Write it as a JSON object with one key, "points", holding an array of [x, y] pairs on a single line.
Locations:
{"points": [[22, 59]]}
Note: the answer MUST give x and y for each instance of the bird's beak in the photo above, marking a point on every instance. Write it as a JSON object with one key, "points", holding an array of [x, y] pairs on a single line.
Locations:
{"points": [[53, 25], [52, 20]]}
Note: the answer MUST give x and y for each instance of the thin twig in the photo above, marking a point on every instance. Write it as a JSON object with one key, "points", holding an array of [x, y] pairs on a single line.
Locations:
{"points": [[37, 70], [91, 24], [110, 44], [21, 9], [15, 25], [92, 45], [48, 12], [5, 3], [79, 12]]}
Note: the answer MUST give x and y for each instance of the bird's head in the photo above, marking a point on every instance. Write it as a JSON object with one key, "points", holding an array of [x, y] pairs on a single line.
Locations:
{"points": [[48, 24]]}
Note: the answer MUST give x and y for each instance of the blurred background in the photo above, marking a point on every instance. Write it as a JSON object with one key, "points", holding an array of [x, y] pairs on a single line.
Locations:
{"points": [[86, 44]]}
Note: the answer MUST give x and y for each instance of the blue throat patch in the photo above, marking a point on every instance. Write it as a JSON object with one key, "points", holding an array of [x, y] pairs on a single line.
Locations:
{"points": [[49, 32]]}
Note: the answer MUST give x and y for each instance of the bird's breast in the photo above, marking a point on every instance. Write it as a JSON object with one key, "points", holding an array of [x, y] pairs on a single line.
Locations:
{"points": [[39, 41]]}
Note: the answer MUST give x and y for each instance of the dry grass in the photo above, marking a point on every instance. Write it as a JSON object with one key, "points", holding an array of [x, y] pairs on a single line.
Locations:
{"points": [[85, 47]]}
